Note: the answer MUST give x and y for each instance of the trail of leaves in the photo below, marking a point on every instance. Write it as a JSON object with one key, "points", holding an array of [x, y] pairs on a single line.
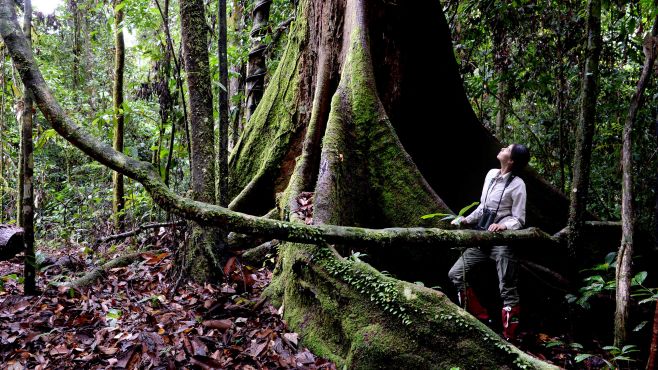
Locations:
{"points": [[133, 319]]}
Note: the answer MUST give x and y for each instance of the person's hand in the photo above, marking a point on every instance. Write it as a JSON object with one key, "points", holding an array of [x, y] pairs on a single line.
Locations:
{"points": [[457, 221], [497, 228]]}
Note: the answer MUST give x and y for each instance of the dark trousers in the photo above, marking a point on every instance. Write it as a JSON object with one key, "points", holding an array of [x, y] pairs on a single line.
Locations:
{"points": [[506, 265]]}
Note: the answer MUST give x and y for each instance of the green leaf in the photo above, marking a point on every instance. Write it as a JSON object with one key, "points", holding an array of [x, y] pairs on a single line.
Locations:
{"points": [[581, 357], [43, 139], [610, 257], [431, 215], [465, 209], [639, 278]]}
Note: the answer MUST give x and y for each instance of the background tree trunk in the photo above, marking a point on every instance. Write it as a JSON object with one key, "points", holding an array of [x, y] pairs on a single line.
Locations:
{"points": [[236, 84], [221, 191], [256, 68], [625, 253], [27, 164], [585, 130], [199, 259], [118, 202]]}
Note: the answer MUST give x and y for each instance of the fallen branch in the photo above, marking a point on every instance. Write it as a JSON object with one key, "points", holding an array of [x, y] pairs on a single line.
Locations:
{"points": [[594, 227], [139, 230], [100, 271]]}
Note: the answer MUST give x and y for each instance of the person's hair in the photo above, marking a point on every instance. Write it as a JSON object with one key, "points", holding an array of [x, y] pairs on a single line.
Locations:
{"points": [[520, 155]]}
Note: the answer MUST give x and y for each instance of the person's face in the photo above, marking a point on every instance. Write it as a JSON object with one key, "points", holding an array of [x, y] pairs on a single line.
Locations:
{"points": [[505, 154]]}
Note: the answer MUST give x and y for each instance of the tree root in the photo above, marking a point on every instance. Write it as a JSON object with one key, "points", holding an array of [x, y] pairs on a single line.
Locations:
{"points": [[100, 271]]}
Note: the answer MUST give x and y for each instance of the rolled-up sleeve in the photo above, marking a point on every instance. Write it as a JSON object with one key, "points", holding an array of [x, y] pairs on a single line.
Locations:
{"points": [[516, 220]]}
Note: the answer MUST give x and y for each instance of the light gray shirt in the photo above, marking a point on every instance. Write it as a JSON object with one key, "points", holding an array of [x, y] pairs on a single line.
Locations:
{"points": [[512, 205]]}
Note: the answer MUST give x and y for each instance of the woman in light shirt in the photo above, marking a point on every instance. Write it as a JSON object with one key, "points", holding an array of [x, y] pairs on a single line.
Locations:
{"points": [[502, 207]]}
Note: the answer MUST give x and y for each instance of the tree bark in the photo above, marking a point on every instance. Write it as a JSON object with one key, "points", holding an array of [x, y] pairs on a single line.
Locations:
{"points": [[200, 255], [623, 270], [344, 309], [653, 349], [3, 81], [256, 68], [236, 81], [585, 130], [27, 163], [221, 190], [118, 202]]}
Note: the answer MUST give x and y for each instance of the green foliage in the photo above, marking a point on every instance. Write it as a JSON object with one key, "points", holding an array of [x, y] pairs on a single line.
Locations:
{"points": [[535, 48], [448, 216], [615, 356], [603, 282]]}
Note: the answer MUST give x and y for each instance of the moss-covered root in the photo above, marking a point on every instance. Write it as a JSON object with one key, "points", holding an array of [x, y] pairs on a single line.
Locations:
{"points": [[347, 311]]}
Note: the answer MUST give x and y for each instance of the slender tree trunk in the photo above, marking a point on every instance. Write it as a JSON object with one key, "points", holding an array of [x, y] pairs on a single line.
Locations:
{"points": [[164, 14], [256, 68], [653, 349], [28, 170], [200, 258], [118, 202], [3, 91], [585, 130], [501, 115], [77, 40], [221, 191], [236, 82], [625, 253]]}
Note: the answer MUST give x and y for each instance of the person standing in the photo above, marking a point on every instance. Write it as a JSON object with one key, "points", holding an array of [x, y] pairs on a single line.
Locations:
{"points": [[502, 207]]}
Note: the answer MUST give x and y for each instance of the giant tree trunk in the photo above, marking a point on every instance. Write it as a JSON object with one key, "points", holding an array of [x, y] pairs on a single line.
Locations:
{"points": [[623, 269], [376, 167], [118, 202]]}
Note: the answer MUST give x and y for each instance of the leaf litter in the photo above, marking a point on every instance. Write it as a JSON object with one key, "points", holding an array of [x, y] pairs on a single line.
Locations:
{"points": [[133, 319]]}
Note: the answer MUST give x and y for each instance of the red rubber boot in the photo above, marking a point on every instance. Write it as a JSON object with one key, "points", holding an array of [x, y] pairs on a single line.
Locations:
{"points": [[510, 316], [470, 302]]}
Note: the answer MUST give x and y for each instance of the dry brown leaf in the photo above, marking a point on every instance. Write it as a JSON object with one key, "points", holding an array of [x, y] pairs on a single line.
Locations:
{"points": [[59, 350], [218, 324], [107, 350]]}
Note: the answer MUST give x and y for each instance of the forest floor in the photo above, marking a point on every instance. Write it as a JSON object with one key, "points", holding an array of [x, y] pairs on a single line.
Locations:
{"points": [[136, 317]]}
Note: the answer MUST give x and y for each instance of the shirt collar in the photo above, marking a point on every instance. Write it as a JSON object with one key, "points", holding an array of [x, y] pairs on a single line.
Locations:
{"points": [[505, 176]]}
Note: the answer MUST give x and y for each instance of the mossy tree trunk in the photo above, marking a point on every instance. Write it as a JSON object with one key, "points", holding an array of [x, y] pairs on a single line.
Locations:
{"points": [[361, 123], [200, 257], [118, 202]]}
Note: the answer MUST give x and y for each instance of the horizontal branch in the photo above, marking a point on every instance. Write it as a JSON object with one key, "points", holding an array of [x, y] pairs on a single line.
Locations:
{"points": [[212, 215], [139, 230]]}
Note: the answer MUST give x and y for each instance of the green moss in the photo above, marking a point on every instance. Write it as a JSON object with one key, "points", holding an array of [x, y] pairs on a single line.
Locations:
{"points": [[347, 311], [267, 136]]}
